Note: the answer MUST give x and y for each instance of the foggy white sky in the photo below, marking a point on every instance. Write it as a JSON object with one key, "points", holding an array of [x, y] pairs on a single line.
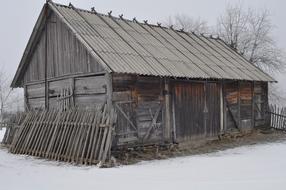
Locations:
{"points": [[17, 19]]}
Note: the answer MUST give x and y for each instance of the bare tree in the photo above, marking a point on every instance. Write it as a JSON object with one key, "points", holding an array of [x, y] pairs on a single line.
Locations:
{"points": [[249, 32], [5, 93], [189, 24]]}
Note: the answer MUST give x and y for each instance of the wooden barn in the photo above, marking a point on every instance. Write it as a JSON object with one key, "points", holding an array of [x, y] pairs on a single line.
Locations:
{"points": [[165, 85]]}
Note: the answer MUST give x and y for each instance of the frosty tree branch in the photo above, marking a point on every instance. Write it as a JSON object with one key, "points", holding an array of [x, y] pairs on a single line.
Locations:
{"points": [[249, 32]]}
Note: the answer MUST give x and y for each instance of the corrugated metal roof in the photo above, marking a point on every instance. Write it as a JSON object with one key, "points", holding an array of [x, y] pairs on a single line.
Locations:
{"points": [[124, 46]]}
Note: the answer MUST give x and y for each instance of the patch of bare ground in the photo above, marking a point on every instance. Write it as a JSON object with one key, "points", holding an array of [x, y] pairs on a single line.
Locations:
{"points": [[258, 136]]}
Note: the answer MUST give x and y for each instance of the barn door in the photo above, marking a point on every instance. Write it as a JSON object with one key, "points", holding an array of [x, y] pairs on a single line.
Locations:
{"points": [[126, 121], [149, 121], [197, 110], [139, 122]]}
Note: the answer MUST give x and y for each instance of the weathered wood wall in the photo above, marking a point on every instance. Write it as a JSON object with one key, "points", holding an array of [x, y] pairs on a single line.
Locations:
{"points": [[65, 54], [60, 61], [140, 109], [197, 110], [245, 104], [88, 91]]}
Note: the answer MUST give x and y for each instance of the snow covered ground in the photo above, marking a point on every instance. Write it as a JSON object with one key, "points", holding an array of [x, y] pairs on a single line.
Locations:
{"points": [[258, 167]]}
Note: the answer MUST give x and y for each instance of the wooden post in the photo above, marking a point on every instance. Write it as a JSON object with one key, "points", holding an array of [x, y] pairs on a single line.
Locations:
{"points": [[252, 104], [221, 108], [205, 111], [26, 103], [239, 105], [174, 119], [167, 129], [268, 116], [109, 90], [224, 105], [46, 61]]}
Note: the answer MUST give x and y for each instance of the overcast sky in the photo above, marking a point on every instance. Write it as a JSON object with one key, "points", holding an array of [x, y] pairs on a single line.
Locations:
{"points": [[17, 19]]}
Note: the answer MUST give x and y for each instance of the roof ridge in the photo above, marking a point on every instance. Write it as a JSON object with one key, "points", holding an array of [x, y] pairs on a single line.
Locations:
{"points": [[136, 21]]}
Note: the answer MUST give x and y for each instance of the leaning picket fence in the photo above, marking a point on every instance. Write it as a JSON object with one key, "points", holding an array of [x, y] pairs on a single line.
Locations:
{"points": [[79, 136], [278, 117], [12, 126]]}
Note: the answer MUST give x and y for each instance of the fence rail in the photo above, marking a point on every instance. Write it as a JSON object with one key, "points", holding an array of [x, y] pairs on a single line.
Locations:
{"points": [[278, 117]]}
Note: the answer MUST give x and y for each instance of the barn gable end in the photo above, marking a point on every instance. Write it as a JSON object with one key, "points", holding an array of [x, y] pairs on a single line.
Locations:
{"points": [[65, 54], [58, 61]]}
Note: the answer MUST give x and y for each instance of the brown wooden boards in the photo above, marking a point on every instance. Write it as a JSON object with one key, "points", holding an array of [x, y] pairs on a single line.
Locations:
{"points": [[196, 107]]}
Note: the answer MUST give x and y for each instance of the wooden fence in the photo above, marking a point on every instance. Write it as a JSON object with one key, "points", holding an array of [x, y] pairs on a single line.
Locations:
{"points": [[4, 125], [76, 135], [12, 126], [278, 117]]}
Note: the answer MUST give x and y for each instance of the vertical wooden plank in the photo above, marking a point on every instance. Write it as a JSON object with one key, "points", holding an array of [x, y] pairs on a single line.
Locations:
{"points": [[26, 103], [224, 105], [174, 117], [109, 90], [239, 104], [252, 105], [46, 60], [167, 129], [221, 108]]}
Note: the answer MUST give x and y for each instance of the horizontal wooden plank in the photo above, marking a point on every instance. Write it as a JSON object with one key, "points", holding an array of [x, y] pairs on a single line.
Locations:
{"points": [[36, 90], [55, 87], [36, 103], [90, 100], [121, 96], [90, 85]]}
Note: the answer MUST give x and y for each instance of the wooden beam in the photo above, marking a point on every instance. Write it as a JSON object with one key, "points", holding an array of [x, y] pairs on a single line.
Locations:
{"points": [[26, 103], [224, 106], [46, 61], [66, 77], [252, 105], [168, 128], [174, 118], [221, 108], [109, 90], [238, 104]]}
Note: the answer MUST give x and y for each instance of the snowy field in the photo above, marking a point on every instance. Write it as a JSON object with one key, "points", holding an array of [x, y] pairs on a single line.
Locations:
{"points": [[250, 167]]}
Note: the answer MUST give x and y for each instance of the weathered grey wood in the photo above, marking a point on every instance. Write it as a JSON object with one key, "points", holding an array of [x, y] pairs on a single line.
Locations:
{"points": [[126, 117], [174, 119], [78, 136], [168, 127], [90, 85], [58, 36], [239, 105], [221, 108], [35, 91], [154, 120], [109, 90]]}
